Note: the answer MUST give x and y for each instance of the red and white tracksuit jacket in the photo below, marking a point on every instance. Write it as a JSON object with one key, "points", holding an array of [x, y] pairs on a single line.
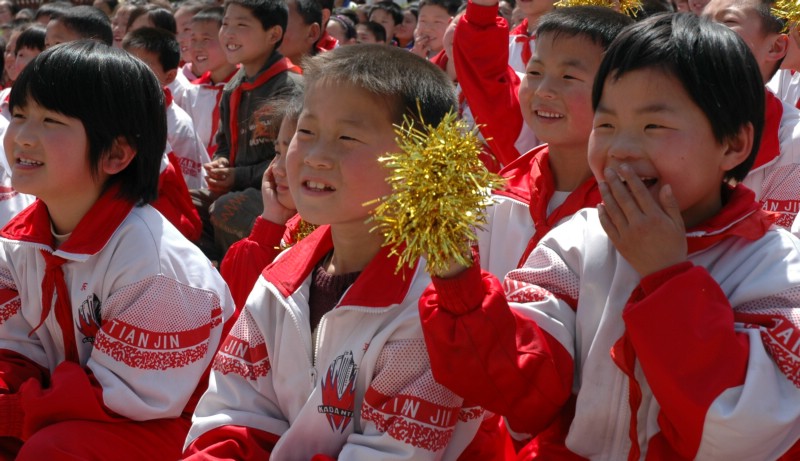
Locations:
{"points": [[697, 361], [489, 84], [365, 391], [125, 327], [518, 216], [186, 145], [775, 175], [518, 41], [202, 101], [181, 84]]}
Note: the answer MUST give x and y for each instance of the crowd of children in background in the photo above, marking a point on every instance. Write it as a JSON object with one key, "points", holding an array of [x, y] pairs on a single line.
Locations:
{"points": [[189, 270]]}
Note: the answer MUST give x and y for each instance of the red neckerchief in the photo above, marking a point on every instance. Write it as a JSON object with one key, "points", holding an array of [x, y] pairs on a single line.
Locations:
{"points": [[282, 65], [440, 60], [521, 36], [741, 217], [770, 146], [89, 237], [205, 81], [530, 178], [167, 97], [326, 42], [377, 286]]}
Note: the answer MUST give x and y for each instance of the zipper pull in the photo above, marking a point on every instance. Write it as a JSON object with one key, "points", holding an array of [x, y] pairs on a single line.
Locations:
{"points": [[313, 373]]}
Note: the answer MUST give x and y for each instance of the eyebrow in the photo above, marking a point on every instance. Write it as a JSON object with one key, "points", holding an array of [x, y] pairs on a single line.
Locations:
{"points": [[576, 63], [649, 109]]}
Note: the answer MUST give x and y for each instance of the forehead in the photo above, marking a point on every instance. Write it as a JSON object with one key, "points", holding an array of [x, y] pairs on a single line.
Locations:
{"points": [[433, 11], [563, 49], [210, 27], [344, 101]]}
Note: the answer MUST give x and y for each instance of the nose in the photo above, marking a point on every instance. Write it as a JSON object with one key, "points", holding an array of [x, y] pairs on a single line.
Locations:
{"points": [[318, 155], [546, 87], [22, 134], [624, 147]]}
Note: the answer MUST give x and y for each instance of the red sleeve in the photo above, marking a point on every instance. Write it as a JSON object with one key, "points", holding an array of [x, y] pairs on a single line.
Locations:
{"points": [[175, 203], [231, 442], [490, 85], [73, 395], [492, 356], [246, 258], [680, 324], [15, 369]]}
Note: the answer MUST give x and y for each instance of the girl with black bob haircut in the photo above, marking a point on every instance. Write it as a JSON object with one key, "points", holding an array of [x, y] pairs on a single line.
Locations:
{"points": [[115, 96]]}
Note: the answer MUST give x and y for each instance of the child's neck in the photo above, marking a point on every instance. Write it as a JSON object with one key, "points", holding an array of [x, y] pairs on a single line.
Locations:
{"points": [[569, 166], [354, 247], [220, 74], [66, 214], [251, 68]]}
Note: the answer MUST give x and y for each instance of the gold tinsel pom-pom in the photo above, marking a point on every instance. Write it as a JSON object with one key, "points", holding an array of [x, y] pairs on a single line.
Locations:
{"points": [[788, 10], [628, 7], [440, 189]]}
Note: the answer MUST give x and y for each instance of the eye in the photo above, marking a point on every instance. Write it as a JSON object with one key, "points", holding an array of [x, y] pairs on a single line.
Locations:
{"points": [[653, 126], [348, 138]]}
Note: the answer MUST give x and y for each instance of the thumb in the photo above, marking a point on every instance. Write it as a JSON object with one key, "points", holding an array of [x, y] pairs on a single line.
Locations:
{"points": [[670, 204]]}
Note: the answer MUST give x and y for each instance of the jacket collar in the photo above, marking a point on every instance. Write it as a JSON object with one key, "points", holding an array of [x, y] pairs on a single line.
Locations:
{"points": [[377, 286], [93, 232]]}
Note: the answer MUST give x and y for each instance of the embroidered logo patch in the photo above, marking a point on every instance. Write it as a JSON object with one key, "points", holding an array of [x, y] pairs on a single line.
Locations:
{"points": [[339, 391], [89, 318]]}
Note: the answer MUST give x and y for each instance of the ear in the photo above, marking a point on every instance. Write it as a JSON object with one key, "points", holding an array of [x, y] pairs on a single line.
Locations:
{"points": [[117, 158], [314, 33], [738, 148], [274, 34], [170, 76], [778, 48]]}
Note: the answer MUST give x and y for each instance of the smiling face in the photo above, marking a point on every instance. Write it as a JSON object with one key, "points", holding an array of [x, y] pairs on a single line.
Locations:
{"points": [[49, 156], [332, 162], [555, 94], [244, 39], [206, 51], [647, 120], [433, 22]]}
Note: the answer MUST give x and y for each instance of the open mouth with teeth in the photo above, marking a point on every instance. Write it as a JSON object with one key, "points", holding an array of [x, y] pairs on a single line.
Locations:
{"points": [[318, 186], [232, 47], [27, 162], [647, 181], [549, 115]]}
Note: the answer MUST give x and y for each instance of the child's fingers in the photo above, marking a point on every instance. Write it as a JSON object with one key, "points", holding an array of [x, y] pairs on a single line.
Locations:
{"points": [[670, 204], [610, 207], [607, 223], [627, 205], [638, 191]]}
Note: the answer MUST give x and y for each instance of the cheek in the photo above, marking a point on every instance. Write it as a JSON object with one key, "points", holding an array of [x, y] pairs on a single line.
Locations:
{"points": [[597, 156]]}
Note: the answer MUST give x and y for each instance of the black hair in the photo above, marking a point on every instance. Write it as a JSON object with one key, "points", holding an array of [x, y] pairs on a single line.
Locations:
{"points": [[158, 41], [599, 24], [409, 84], [12, 6], [52, 10], [88, 22], [209, 14], [390, 7], [451, 6], [114, 95], [194, 6], [712, 63], [375, 29], [32, 37], [161, 18], [347, 25], [348, 13], [271, 13], [309, 10]]}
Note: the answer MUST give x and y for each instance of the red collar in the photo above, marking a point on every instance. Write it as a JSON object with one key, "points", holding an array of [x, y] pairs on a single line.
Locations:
{"points": [[205, 79], [740, 217], [377, 286], [90, 236], [521, 29], [167, 97], [770, 146], [326, 42]]}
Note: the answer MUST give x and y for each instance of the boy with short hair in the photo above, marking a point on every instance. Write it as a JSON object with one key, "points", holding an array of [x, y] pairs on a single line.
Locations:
{"points": [[434, 17], [388, 14], [208, 59], [775, 177], [77, 23], [658, 325], [252, 31], [370, 32], [553, 181], [303, 30], [327, 359], [159, 49]]}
